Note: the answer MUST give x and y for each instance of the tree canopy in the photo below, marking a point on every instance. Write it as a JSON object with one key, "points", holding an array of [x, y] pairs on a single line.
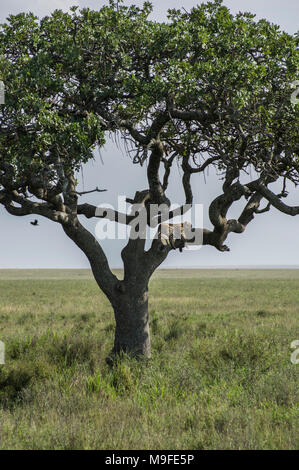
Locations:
{"points": [[205, 82]]}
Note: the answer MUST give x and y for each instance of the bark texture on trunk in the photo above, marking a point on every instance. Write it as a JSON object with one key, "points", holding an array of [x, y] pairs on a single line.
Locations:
{"points": [[132, 333]]}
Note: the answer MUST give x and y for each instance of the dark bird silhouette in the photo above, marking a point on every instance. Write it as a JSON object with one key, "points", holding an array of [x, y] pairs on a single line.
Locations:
{"points": [[35, 223]]}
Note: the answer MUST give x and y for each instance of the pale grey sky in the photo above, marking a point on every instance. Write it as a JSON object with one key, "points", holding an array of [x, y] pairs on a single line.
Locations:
{"points": [[272, 239]]}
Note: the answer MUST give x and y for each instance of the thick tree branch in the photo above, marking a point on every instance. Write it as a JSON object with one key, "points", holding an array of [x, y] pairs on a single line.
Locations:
{"points": [[273, 199], [167, 165], [106, 280], [28, 207], [157, 195], [91, 211]]}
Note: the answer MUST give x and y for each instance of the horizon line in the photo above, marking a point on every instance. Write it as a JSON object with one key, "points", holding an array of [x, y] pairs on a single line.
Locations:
{"points": [[248, 266]]}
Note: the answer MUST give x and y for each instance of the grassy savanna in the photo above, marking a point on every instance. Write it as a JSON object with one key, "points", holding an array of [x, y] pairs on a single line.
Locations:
{"points": [[220, 376]]}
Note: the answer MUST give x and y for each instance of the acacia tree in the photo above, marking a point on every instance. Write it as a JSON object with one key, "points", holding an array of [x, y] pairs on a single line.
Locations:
{"points": [[205, 88]]}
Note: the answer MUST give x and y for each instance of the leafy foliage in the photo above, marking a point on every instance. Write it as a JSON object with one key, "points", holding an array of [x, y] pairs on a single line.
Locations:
{"points": [[72, 77]]}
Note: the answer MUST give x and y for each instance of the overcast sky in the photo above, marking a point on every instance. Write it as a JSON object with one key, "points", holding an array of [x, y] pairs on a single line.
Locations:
{"points": [[271, 239]]}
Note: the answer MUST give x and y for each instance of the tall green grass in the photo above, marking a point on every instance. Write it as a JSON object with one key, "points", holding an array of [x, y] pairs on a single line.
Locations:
{"points": [[220, 376]]}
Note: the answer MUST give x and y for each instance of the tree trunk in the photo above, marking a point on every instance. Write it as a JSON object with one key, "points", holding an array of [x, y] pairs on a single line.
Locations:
{"points": [[129, 298], [132, 333]]}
